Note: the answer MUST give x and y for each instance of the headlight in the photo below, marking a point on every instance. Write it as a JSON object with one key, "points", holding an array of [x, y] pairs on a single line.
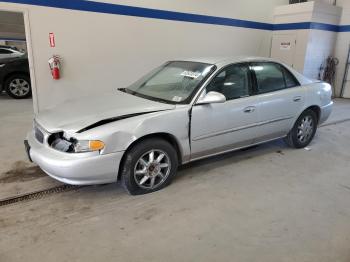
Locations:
{"points": [[2, 65], [88, 146], [60, 142]]}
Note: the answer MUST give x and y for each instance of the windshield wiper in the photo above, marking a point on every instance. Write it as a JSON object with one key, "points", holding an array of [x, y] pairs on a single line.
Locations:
{"points": [[123, 89], [126, 90]]}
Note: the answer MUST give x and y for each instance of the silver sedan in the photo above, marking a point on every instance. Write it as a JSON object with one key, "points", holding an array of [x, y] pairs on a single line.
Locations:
{"points": [[180, 112]]}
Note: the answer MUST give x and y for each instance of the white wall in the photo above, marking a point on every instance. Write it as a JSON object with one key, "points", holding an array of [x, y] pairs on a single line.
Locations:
{"points": [[313, 46], [342, 45], [101, 52], [254, 10], [294, 14], [320, 45]]}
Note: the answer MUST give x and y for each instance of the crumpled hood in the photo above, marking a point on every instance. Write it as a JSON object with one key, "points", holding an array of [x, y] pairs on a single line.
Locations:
{"points": [[74, 115]]}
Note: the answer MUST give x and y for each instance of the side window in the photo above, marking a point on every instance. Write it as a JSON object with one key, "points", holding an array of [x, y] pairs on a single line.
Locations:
{"points": [[269, 77], [233, 82], [5, 51], [290, 79]]}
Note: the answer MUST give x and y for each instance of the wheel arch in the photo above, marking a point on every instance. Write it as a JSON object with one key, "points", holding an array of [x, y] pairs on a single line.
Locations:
{"points": [[165, 136], [9, 75], [316, 109]]}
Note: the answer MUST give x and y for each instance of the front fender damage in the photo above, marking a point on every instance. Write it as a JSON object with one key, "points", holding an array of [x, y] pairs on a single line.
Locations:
{"points": [[113, 119]]}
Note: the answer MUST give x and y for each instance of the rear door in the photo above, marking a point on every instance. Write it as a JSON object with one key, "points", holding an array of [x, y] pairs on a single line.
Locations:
{"points": [[280, 98], [220, 127]]}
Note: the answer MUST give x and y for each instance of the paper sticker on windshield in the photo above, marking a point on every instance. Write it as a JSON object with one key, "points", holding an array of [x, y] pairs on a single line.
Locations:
{"points": [[177, 98], [191, 74]]}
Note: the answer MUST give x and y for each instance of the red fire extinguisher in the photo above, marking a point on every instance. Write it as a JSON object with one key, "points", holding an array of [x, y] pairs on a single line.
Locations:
{"points": [[54, 63]]}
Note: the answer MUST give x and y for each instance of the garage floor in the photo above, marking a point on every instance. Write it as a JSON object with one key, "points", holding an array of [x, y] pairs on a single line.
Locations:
{"points": [[270, 203]]}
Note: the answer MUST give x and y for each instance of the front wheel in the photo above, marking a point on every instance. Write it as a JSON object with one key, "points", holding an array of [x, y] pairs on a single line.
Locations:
{"points": [[149, 166], [303, 131], [18, 86]]}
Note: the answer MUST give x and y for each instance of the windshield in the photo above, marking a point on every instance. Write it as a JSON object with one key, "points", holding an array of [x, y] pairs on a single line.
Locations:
{"points": [[174, 82]]}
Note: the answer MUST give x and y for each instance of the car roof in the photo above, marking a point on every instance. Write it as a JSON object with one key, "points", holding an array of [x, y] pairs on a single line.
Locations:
{"points": [[221, 60], [224, 61]]}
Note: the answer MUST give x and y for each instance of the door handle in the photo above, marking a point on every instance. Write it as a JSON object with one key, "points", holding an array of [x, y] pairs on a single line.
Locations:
{"points": [[249, 109], [297, 98]]}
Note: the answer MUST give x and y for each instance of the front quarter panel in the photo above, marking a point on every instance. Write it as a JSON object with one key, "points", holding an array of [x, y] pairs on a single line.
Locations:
{"points": [[119, 135]]}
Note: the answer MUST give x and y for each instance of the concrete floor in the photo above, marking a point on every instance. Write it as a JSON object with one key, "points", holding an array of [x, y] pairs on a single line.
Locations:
{"points": [[17, 174], [270, 203]]}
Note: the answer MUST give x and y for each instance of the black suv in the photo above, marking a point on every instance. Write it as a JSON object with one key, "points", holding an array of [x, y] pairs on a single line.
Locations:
{"points": [[14, 77]]}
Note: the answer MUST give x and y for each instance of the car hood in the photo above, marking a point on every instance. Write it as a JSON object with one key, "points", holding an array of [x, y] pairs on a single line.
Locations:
{"points": [[75, 115]]}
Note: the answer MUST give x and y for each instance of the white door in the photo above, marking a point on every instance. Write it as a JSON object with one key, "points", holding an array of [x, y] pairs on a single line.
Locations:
{"points": [[223, 126], [283, 48], [280, 97], [346, 81], [346, 93]]}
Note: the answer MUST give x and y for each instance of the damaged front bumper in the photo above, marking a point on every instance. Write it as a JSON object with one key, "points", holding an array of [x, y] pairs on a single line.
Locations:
{"points": [[74, 168]]}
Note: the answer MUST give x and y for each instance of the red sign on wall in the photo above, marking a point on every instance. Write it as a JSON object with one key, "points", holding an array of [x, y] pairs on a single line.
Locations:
{"points": [[52, 39]]}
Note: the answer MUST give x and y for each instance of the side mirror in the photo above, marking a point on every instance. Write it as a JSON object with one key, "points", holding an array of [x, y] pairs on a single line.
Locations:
{"points": [[211, 98]]}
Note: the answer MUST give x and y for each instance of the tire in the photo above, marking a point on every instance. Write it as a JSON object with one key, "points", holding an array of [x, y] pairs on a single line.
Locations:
{"points": [[303, 130], [18, 86], [138, 170]]}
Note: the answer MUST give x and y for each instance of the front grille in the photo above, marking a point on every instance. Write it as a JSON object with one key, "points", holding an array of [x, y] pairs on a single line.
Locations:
{"points": [[39, 135]]}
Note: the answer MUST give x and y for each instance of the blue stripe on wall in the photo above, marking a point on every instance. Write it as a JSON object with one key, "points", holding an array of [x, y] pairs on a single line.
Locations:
{"points": [[306, 25], [108, 8], [291, 26], [324, 27], [344, 28]]}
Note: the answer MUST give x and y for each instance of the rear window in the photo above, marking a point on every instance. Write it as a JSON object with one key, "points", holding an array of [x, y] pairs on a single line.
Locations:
{"points": [[272, 77], [289, 78]]}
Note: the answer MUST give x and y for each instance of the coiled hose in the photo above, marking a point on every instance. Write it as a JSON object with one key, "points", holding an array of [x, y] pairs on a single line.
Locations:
{"points": [[327, 70]]}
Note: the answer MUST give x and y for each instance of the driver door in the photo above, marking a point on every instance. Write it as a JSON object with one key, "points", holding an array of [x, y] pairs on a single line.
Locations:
{"points": [[224, 126]]}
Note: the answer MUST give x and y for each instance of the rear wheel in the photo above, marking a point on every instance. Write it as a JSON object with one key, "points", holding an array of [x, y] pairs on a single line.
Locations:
{"points": [[303, 131], [18, 86], [149, 166]]}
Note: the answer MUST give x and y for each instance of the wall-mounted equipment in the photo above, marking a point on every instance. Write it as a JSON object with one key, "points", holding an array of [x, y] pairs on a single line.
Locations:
{"points": [[55, 64]]}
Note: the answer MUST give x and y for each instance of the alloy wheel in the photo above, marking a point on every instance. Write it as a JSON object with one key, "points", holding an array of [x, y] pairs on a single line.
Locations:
{"points": [[152, 169], [305, 129], [19, 87]]}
